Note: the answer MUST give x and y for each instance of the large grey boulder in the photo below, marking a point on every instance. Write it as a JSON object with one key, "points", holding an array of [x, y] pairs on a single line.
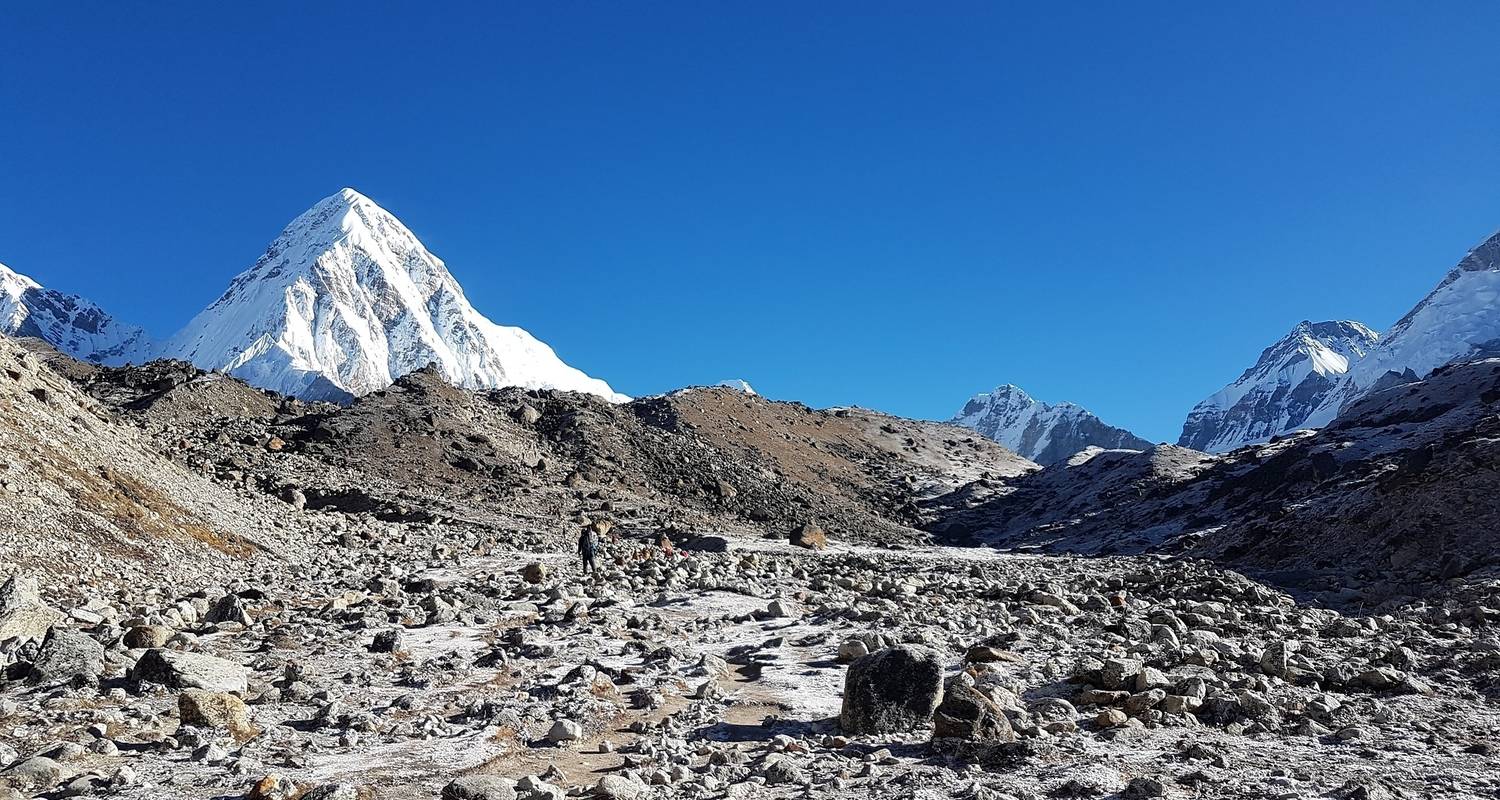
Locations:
{"points": [[67, 658], [36, 774], [619, 787], [891, 690], [181, 670], [966, 713], [480, 787], [23, 615]]}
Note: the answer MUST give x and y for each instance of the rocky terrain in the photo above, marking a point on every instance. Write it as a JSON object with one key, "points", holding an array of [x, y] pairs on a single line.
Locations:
{"points": [[219, 592], [1393, 500]]}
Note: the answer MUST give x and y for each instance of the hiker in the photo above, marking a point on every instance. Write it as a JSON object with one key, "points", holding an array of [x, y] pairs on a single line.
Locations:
{"points": [[665, 543], [588, 547]]}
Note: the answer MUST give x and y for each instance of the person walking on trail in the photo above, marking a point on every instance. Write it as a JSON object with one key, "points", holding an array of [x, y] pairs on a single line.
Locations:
{"points": [[588, 549]]}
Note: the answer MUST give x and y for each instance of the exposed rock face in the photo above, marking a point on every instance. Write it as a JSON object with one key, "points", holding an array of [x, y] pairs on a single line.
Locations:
{"points": [[68, 322], [1041, 432], [1290, 380], [892, 690]]}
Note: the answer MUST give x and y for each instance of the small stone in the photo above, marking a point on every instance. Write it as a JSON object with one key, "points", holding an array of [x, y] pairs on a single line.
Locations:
{"points": [[1111, 718], [219, 710], [1142, 788], [386, 641], [565, 730], [144, 637], [23, 615], [333, 791], [966, 713], [783, 609], [36, 774], [1119, 673], [809, 536], [851, 649]]}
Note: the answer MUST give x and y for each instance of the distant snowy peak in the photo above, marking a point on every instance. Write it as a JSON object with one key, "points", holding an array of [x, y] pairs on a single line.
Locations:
{"points": [[346, 300], [1292, 378], [1458, 320], [68, 322], [1043, 433], [737, 385]]}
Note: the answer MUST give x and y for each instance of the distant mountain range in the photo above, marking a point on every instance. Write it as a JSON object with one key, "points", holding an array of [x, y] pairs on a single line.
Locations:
{"points": [[1301, 381], [1041, 432], [1304, 380], [347, 299], [69, 322]]}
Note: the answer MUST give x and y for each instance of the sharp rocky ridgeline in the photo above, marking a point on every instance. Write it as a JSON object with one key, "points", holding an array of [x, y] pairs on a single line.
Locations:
{"points": [[1290, 380], [1039, 431]]}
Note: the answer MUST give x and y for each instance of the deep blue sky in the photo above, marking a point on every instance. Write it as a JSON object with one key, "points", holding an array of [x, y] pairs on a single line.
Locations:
{"points": [[894, 205]]}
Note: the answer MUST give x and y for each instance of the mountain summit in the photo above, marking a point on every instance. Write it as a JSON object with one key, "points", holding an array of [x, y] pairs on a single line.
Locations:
{"points": [[1456, 321], [1291, 379], [345, 301], [68, 322], [1041, 432]]}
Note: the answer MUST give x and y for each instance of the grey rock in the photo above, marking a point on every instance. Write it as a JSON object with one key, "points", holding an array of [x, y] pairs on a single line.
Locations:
{"points": [[892, 690], [616, 787], [32, 775], [23, 615], [67, 658], [182, 670], [966, 713], [480, 787]]}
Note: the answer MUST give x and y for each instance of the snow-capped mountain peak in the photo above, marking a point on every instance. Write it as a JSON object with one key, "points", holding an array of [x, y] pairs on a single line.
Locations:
{"points": [[70, 323], [1457, 320], [1274, 396], [1044, 433], [346, 300], [738, 385]]}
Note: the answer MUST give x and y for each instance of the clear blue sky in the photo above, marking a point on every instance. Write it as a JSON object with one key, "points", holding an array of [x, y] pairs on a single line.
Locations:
{"points": [[894, 205]]}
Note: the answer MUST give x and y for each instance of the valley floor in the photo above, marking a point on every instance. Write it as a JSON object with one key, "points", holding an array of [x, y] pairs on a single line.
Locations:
{"points": [[719, 674]]}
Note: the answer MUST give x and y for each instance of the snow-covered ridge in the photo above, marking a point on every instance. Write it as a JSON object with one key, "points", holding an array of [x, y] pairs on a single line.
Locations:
{"points": [[1041, 432], [346, 300], [1458, 320], [68, 322], [738, 385], [1274, 396]]}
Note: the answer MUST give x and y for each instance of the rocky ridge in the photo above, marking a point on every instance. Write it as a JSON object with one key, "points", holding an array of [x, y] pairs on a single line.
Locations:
{"points": [[1039, 431], [1290, 380]]}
